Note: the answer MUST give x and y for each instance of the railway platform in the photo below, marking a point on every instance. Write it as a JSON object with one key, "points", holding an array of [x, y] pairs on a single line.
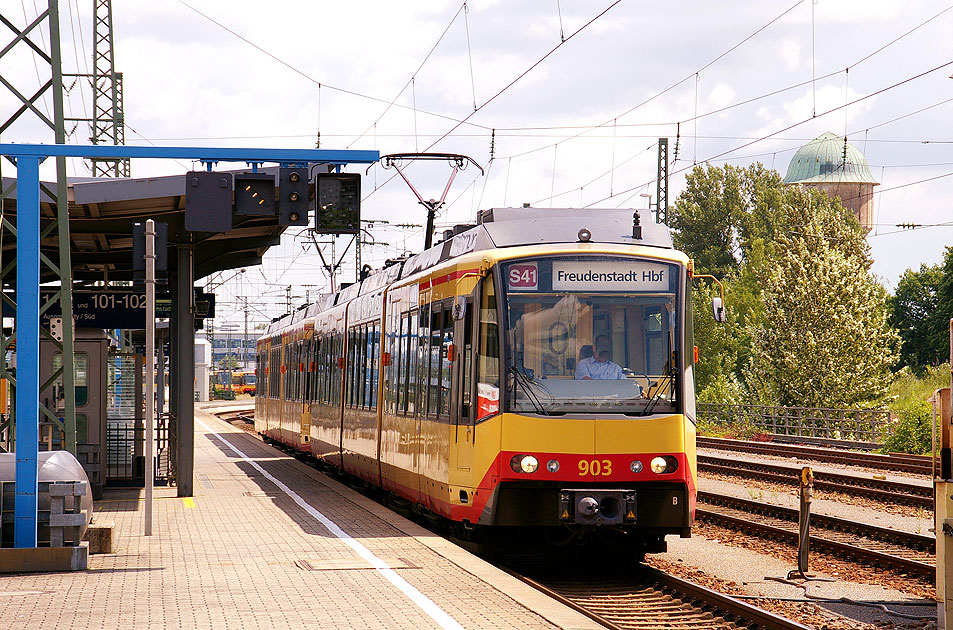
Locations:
{"points": [[268, 542]]}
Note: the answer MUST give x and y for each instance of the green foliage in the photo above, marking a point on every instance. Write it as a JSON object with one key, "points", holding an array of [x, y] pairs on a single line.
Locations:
{"points": [[824, 340], [723, 389], [920, 309], [909, 388], [913, 430], [807, 323]]}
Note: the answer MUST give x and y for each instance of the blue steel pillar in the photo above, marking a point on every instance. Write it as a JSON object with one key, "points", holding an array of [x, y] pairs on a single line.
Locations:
{"points": [[28, 349]]}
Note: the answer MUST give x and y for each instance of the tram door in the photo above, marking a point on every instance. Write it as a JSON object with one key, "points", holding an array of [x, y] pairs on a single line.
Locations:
{"points": [[462, 412]]}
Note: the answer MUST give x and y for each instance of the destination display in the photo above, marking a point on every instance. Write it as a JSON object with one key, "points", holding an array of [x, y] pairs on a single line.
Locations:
{"points": [[604, 275]]}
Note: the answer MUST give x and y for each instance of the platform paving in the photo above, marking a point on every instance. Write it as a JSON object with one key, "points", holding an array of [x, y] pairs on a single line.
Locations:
{"points": [[268, 542]]}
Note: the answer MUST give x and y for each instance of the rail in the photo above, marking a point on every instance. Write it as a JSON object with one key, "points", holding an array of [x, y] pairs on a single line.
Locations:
{"points": [[652, 598], [855, 541]]}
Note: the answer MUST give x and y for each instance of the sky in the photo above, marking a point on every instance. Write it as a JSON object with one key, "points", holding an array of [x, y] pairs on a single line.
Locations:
{"points": [[560, 102]]}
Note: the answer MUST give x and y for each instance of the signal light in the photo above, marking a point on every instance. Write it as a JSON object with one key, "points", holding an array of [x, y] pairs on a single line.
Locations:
{"points": [[293, 196], [338, 208], [255, 194]]}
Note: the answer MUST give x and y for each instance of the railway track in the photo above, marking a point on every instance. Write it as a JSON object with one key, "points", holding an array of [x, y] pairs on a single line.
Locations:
{"points": [[648, 598], [913, 554], [894, 492], [899, 462]]}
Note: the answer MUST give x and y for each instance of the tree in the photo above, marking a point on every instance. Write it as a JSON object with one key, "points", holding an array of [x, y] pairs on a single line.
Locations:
{"points": [[824, 339], [724, 220], [917, 312], [725, 214]]}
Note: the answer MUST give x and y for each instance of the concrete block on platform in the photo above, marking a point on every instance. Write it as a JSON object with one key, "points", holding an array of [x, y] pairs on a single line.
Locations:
{"points": [[101, 536], [44, 559]]}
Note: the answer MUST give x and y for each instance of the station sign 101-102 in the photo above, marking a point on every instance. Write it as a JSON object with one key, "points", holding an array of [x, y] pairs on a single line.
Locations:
{"points": [[117, 309]]}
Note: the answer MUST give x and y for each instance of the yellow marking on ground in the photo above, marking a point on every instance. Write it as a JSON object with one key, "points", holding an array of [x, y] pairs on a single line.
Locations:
{"points": [[188, 502]]}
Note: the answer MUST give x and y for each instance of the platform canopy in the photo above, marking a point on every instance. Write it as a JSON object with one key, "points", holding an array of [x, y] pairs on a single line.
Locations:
{"points": [[102, 212]]}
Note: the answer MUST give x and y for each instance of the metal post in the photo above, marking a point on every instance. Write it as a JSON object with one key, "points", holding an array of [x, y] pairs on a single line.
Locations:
{"points": [[661, 203], [185, 370], [62, 218], [150, 368], [943, 510], [28, 350], [804, 519]]}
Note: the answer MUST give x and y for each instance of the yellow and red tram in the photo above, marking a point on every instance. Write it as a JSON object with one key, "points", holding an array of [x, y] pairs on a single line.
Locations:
{"points": [[534, 370]]}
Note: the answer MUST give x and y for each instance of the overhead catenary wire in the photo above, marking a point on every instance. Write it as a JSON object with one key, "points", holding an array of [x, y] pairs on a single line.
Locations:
{"points": [[410, 81], [510, 84], [312, 79]]}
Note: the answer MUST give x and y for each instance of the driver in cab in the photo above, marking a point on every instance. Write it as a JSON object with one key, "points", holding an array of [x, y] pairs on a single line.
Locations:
{"points": [[599, 367]]}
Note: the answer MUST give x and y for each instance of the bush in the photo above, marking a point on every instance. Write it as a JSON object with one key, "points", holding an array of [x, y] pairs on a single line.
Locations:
{"points": [[913, 430], [908, 388], [726, 390], [723, 389]]}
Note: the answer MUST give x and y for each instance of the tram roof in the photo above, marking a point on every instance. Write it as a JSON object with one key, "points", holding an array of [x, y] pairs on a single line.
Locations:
{"points": [[103, 210]]}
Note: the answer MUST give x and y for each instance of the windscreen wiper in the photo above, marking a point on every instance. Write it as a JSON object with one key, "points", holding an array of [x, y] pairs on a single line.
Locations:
{"points": [[668, 380], [522, 379]]}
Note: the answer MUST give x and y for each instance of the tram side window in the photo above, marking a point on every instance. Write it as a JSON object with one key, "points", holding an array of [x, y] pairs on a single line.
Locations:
{"points": [[368, 345], [390, 368], [331, 363], [350, 366], [423, 358], [322, 371], [358, 367], [445, 365], [309, 370], [400, 364], [261, 371], [467, 361], [293, 373], [488, 357], [395, 345], [313, 366], [362, 370], [433, 399], [296, 366], [375, 363], [304, 371], [286, 370], [275, 369], [409, 383]]}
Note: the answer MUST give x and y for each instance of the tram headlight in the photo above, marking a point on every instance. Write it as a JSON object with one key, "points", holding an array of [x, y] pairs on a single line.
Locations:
{"points": [[529, 464], [636, 466], [661, 465], [552, 466], [524, 463]]}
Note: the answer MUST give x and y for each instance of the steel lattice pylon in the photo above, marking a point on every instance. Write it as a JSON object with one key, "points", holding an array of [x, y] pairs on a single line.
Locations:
{"points": [[58, 226], [108, 126]]}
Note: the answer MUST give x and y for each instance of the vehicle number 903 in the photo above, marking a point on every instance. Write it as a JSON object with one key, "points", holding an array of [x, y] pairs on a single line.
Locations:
{"points": [[595, 467]]}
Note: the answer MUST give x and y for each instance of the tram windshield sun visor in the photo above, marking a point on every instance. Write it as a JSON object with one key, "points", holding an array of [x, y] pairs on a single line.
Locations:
{"points": [[591, 334]]}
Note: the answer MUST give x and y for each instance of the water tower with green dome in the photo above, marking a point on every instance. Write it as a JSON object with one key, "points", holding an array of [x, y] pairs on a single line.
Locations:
{"points": [[832, 164]]}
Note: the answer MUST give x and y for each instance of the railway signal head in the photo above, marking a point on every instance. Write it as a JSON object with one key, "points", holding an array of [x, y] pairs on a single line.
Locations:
{"points": [[293, 196], [338, 208], [255, 194]]}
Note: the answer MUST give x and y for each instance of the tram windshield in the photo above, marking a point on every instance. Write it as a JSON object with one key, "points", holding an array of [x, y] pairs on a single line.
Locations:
{"points": [[591, 334]]}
